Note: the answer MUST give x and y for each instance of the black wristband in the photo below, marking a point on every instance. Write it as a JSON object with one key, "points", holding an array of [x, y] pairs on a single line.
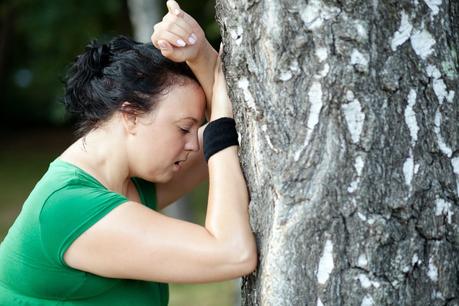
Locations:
{"points": [[218, 135]]}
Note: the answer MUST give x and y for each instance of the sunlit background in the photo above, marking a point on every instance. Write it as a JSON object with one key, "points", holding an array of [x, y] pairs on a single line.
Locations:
{"points": [[38, 40]]}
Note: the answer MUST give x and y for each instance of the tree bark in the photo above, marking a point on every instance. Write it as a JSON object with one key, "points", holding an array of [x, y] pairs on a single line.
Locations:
{"points": [[350, 146]]}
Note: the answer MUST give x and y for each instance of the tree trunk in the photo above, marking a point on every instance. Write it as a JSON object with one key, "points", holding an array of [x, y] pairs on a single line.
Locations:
{"points": [[144, 14], [349, 143]]}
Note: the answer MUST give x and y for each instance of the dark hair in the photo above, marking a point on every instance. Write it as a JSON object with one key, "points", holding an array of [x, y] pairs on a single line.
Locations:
{"points": [[106, 75]]}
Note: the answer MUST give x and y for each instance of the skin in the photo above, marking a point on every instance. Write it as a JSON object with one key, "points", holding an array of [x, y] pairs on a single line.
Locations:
{"points": [[135, 242]]}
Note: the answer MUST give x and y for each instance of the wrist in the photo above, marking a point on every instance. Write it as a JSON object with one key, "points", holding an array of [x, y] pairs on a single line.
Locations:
{"points": [[203, 57]]}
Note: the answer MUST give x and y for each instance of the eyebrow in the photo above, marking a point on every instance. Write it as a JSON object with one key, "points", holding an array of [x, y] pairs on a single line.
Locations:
{"points": [[192, 118]]}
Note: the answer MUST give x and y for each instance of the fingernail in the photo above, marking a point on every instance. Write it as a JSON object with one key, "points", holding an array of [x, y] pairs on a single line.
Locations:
{"points": [[177, 12], [162, 44], [181, 43], [192, 39]]}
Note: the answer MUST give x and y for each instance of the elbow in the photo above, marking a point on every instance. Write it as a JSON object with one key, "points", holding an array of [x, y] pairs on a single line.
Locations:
{"points": [[249, 260], [251, 264]]}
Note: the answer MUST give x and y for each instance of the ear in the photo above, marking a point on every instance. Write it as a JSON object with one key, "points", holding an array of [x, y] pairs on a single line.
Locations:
{"points": [[128, 117]]}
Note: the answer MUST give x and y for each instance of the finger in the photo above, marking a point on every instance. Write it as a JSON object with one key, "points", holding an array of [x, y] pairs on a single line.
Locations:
{"points": [[174, 8], [164, 45], [173, 53], [172, 19], [180, 28], [186, 21], [171, 38]]}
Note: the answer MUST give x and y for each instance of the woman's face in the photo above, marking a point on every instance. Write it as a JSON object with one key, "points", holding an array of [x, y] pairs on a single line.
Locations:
{"points": [[167, 134]]}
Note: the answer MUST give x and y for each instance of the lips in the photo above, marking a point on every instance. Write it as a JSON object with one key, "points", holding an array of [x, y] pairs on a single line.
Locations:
{"points": [[180, 162]]}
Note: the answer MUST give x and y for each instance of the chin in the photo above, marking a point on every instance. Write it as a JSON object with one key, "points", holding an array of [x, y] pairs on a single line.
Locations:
{"points": [[167, 177]]}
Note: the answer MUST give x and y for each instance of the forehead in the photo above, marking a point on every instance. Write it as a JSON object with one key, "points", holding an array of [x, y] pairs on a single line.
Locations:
{"points": [[182, 101]]}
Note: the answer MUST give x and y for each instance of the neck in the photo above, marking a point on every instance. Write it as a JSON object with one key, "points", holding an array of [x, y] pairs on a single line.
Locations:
{"points": [[102, 156]]}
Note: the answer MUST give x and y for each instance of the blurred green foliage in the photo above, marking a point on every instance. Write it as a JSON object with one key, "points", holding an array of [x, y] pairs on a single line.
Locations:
{"points": [[39, 39]]}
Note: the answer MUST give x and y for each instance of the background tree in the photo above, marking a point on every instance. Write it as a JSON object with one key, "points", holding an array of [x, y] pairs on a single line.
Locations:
{"points": [[348, 119]]}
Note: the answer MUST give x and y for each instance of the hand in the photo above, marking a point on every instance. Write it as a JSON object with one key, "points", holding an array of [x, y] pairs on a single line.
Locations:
{"points": [[178, 35], [221, 105]]}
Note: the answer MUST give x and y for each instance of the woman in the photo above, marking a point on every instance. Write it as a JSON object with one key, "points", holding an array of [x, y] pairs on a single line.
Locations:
{"points": [[90, 233]]}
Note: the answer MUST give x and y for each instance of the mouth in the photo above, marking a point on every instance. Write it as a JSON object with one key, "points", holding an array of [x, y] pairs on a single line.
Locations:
{"points": [[179, 162]]}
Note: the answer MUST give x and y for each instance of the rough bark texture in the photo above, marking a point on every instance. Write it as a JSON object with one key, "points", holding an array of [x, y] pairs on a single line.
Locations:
{"points": [[348, 114]]}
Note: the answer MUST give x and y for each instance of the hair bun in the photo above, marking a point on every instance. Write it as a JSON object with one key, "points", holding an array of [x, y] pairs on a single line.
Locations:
{"points": [[98, 57]]}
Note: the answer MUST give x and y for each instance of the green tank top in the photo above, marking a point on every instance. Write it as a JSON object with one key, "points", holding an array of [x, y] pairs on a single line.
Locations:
{"points": [[65, 203]]}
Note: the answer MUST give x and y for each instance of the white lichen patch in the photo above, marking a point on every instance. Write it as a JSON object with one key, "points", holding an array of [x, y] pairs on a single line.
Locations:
{"points": [[319, 302], [361, 30], [264, 128], [362, 216], [362, 261], [236, 34], [441, 142], [354, 119], [433, 71], [322, 54], [415, 259], [408, 169], [443, 207], [437, 295], [422, 43], [243, 84], [353, 186], [357, 58], [324, 71], [432, 273], [285, 76], [294, 66], [403, 33], [325, 263], [433, 5], [410, 117], [315, 101], [367, 301], [349, 96], [358, 165], [438, 84], [450, 96], [365, 282], [455, 164], [316, 12]]}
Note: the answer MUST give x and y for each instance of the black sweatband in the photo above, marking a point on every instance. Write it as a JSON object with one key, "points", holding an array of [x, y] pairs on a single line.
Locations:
{"points": [[218, 135]]}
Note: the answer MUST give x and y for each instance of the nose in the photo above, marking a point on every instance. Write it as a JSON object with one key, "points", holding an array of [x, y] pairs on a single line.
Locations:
{"points": [[192, 143]]}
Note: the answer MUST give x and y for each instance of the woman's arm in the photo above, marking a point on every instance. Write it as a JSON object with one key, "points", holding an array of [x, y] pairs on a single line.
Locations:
{"points": [[201, 58], [180, 38]]}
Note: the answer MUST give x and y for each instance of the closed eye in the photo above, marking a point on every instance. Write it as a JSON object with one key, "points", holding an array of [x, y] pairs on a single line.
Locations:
{"points": [[184, 131]]}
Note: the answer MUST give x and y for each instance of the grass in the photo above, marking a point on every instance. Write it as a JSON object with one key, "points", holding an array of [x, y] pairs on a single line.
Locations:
{"points": [[25, 157]]}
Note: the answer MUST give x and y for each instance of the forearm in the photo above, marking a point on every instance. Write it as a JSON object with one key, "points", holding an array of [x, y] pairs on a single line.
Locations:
{"points": [[227, 213], [203, 69]]}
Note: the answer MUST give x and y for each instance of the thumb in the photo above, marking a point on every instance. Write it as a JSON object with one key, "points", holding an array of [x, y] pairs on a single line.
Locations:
{"points": [[173, 7]]}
